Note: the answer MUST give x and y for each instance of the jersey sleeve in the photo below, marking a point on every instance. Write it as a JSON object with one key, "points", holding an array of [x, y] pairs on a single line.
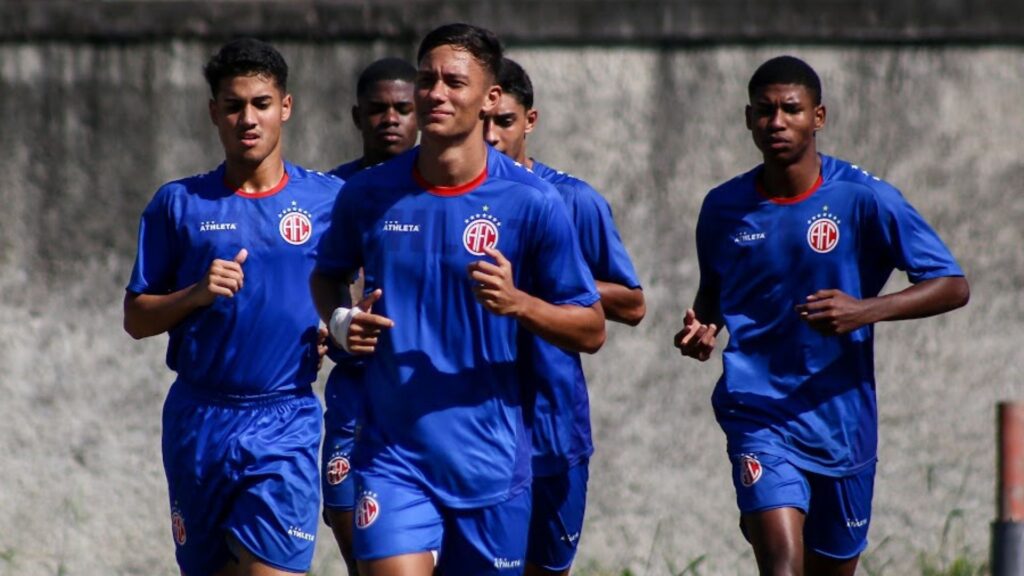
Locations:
{"points": [[561, 273], [904, 236], [599, 238], [338, 253], [157, 257]]}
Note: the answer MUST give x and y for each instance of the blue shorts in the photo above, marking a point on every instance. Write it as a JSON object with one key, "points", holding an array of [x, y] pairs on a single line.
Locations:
{"points": [[343, 397], [394, 517], [837, 510], [556, 521], [246, 469]]}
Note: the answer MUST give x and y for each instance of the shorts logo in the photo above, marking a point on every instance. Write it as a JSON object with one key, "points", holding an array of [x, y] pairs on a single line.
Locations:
{"points": [[750, 470], [337, 470], [367, 510], [296, 227], [823, 232], [481, 232], [178, 528]]}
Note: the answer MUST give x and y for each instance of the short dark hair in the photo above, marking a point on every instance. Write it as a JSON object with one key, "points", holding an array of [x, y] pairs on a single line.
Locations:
{"points": [[245, 57], [383, 70], [483, 44], [786, 70], [515, 81]]}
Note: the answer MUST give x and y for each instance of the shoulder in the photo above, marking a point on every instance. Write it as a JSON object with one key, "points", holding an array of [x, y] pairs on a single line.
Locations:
{"points": [[348, 169], [206, 185], [312, 178], [858, 181], [738, 187], [570, 186], [503, 171]]}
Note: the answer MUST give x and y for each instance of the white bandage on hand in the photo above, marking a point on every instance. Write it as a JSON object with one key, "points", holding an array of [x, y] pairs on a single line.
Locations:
{"points": [[341, 320]]}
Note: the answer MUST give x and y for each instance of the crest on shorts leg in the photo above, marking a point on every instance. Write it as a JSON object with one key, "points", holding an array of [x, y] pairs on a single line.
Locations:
{"points": [[750, 470], [367, 510]]}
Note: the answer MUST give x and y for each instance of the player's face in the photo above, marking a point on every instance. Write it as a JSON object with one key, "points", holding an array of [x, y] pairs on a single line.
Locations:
{"points": [[386, 118], [453, 93], [249, 112], [507, 125], [783, 119]]}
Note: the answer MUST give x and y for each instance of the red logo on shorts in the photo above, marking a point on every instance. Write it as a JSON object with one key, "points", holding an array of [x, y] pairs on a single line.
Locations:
{"points": [[481, 232], [337, 470], [296, 226], [823, 232], [750, 470], [178, 528], [367, 510]]}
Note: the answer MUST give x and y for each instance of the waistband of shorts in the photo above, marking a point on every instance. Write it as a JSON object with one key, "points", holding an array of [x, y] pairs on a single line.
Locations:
{"points": [[207, 395]]}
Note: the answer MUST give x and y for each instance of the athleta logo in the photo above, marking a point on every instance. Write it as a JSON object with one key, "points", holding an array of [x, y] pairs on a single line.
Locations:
{"points": [[481, 232], [213, 226], [395, 226], [296, 226], [747, 237], [337, 470], [505, 563], [750, 470], [178, 528], [823, 231], [367, 510], [299, 533], [856, 523]]}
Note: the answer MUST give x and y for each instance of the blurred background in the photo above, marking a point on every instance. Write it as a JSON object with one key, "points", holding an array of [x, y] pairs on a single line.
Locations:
{"points": [[104, 100]]}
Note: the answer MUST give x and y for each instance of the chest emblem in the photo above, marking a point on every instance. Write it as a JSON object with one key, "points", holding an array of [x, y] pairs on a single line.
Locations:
{"points": [[823, 231], [295, 226], [481, 232]]}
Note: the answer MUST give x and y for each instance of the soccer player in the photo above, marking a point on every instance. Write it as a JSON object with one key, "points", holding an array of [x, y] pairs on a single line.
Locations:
{"points": [[562, 443], [386, 120], [221, 263], [793, 255], [462, 250]]}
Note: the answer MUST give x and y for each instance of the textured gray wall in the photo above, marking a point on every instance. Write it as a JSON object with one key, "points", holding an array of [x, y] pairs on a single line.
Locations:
{"points": [[90, 130]]}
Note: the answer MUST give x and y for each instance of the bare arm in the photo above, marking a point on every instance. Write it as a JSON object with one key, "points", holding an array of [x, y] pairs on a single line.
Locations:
{"points": [[151, 314], [571, 327], [329, 293], [622, 304], [835, 312]]}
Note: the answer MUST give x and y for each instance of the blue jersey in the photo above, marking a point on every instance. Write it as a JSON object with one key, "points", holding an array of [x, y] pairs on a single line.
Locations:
{"points": [[348, 169], [561, 418], [787, 389], [263, 340], [443, 393]]}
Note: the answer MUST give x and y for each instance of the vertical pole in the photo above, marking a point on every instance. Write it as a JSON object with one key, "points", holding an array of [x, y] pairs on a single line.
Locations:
{"points": [[1008, 529]]}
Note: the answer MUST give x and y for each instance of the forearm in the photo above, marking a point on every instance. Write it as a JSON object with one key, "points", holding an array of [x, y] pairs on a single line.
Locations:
{"points": [[923, 299], [329, 293], [570, 327], [622, 304], [151, 314]]}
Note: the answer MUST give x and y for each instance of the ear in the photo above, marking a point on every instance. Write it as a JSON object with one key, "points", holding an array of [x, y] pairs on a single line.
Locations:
{"points": [[819, 117], [531, 120], [491, 100], [286, 107], [355, 117], [748, 114]]}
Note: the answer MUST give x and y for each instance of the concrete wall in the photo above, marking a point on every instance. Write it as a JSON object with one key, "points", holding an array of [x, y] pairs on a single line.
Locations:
{"points": [[92, 128]]}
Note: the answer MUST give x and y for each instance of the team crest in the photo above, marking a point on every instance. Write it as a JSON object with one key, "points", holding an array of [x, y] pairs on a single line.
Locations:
{"points": [[481, 232], [823, 231], [178, 528], [296, 225], [367, 510], [337, 470], [750, 470]]}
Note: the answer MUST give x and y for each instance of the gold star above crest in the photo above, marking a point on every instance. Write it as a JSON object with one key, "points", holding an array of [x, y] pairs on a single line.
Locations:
{"points": [[486, 207]]}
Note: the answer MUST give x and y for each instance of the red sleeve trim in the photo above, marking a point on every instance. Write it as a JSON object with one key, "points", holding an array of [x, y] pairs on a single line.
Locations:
{"points": [[448, 190], [791, 200]]}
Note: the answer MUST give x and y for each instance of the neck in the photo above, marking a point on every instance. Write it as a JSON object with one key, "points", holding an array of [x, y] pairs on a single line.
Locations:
{"points": [[254, 178], [372, 158], [448, 163], [789, 180]]}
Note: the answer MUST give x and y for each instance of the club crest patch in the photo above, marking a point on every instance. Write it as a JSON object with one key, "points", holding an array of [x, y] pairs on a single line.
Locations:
{"points": [[481, 232], [367, 510], [296, 225], [337, 470], [823, 231], [178, 528], [750, 470]]}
